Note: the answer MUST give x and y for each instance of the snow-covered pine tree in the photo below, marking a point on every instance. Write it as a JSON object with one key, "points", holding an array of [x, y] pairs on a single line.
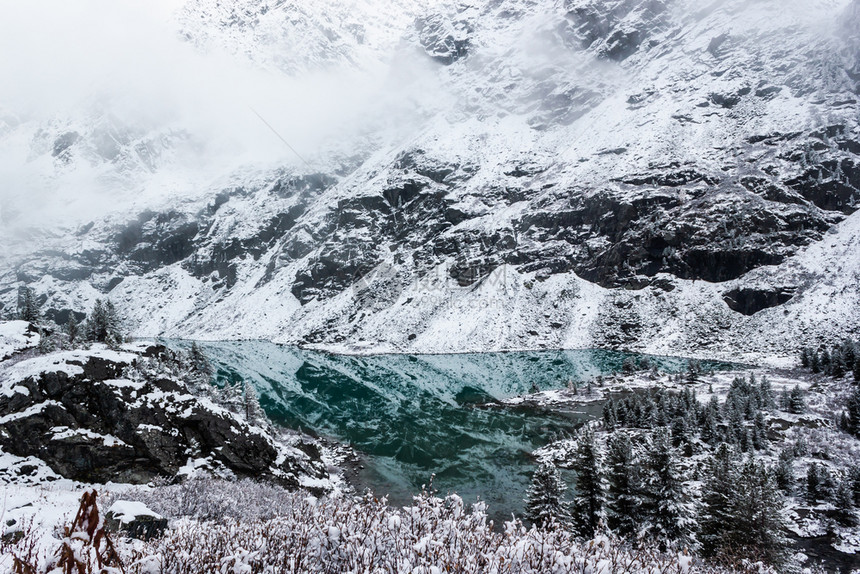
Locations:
{"points": [[815, 362], [610, 419], [767, 396], [253, 412], [624, 497], [545, 504], [28, 307], [824, 359], [796, 404], [813, 483], [759, 432], [669, 508], [199, 362], [854, 482], [852, 419], [72, 328], [757, 525], [694, 370], [103, 324], [113, 328], [587, 507], [708, 430], [844, 503], [783, 472], [837, 364], [46, 342], [717, 492], [96, 324]]}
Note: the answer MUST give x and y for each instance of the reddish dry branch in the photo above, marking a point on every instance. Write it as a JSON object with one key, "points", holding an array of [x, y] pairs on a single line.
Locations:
{"points": [[87, 544]]}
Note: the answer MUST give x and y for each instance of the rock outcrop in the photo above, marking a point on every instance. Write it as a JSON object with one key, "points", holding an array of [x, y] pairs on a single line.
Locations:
{"points": [[96, 416]]}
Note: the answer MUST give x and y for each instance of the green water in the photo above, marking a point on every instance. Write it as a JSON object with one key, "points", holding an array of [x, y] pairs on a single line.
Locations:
{"points": [[410, 417]]}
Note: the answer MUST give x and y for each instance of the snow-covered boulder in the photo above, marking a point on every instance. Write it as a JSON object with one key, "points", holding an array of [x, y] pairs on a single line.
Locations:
{"points": [[134, 519]]}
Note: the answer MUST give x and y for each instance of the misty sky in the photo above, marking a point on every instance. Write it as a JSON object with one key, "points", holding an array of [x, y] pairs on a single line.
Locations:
{"points": [[168, 116]]}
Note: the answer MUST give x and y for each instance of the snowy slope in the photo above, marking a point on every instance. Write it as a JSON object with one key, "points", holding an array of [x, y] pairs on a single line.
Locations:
{"points": [[669, 176]]}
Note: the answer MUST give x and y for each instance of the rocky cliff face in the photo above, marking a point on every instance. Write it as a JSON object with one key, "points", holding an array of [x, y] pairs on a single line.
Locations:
{"points": [[94, 416], [594, 171]]}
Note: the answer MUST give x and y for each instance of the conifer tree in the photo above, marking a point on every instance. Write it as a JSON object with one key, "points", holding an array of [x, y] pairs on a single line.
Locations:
{"points": [[96, 325], [694, 370], [253, 412], [589, 499], [759, 435], [545, 504], [844, 503], [837, 364], [624, 499], [46, 343], [73, 330], [854, 482], [766, 391], [113, 330], [742, 510], [28, 307], [852, 418], [804, 357], [783, 472], [825, 361], [231, 396], [199, 362], [796, 404], [813, 483], [610, 419], [717, 502], [103, 324], [669, 507], [757, 525], [709, 432], [815, 362]]}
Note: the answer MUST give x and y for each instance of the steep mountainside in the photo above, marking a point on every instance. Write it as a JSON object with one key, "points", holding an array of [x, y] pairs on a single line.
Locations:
{"points": [[666, 175]]}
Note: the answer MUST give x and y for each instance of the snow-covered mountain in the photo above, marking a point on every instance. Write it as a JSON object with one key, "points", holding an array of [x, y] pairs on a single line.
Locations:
{"points": [[673, 176]]}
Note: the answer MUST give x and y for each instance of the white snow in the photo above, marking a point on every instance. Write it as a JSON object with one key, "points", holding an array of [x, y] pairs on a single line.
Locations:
{"points": [[15, 337]]}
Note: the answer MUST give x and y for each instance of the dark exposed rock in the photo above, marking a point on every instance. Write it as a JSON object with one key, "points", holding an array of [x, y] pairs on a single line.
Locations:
{"points": [[729, 100], [97, 426], [833, 185], [622, 44], [750, 301], [715, 45], [61, 316], [671, 177], [145, 525], [614, 30], [63, 144], [157, 239], [443, 39]]}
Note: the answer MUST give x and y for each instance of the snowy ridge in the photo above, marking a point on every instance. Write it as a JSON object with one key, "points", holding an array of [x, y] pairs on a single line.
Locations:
{"points": [[663, 177]]}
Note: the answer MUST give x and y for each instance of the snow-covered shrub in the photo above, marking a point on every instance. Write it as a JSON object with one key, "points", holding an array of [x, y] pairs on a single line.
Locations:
{"points": [[365, 535], [359, 535], [205, 498]]}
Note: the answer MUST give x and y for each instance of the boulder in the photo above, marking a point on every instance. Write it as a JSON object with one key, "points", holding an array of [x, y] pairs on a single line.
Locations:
{"points": [[135, 520]]}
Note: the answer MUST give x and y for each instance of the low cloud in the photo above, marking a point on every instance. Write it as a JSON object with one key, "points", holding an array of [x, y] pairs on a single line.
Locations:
{"points": [[115, 74]]}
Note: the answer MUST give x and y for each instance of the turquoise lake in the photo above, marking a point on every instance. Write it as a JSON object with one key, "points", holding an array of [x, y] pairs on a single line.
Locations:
{"points": [[410, 417]]}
